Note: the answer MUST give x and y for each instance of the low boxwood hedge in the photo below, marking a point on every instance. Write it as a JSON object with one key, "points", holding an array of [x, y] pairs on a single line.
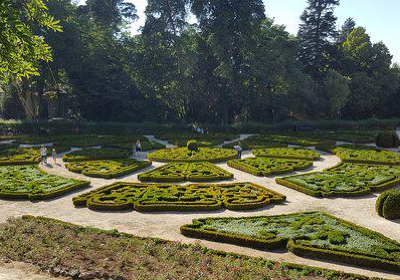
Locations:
{"points": [[362, 154], [388, 204], [309, 234], [345, 180], [17, 156], [167, 197], [186, 171], [204, 140], [269, 166], [96, 154], [249, 144], [29, 182], [291, 153], [107, 168], [184, 155]]}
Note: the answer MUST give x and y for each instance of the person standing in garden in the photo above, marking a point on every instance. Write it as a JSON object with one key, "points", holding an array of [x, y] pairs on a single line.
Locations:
{"points": [[138, 147], [43, 154], [54, 155], [238, 149]]}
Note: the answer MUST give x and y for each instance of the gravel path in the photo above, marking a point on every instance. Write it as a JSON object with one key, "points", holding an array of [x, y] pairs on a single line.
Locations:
{"points": [[166, 224]]}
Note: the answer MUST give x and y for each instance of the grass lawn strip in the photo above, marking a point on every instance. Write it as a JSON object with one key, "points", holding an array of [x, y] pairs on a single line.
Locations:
{"points": [[184, 155], [313, 234], [263, 166], [96, 154], [186, 171], [107, 168], [77, 252], [345, 180], [291, 153], [169, 197], [29, 182]]}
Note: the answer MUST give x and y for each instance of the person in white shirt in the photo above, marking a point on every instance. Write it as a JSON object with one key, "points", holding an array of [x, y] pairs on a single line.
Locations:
{"points": [[43, 154]]}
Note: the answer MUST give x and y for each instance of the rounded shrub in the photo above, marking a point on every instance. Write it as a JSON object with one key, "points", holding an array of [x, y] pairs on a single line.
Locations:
{"points": [[192, 146], [388, 139], [388, 204]]}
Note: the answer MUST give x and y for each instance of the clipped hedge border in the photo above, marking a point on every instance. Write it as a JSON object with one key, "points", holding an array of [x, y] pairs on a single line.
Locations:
{"points": [[192, 230], [153, 157], [258, 153], [75, 156], [257, 172], [218, 192], [151, 176], [320, 194], [112, 174]]}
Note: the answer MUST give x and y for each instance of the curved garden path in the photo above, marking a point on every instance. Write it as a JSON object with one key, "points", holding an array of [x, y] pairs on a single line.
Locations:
{"points": [[166, 224]]}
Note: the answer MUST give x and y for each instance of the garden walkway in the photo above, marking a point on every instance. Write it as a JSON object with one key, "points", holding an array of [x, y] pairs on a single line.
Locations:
{"points": [[166, 224]]}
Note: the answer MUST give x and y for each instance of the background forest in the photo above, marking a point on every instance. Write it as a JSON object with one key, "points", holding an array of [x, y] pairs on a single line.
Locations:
{"points": [[234, 65]]}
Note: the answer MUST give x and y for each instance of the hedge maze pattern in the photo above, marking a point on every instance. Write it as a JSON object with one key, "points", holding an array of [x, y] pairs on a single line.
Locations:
{"points": [[96, 154], [291, 153], [16, 156], [167, 197], [181, 171], [346, 179], [107, 168], [358, 154], [29, 182], [312, 234], [262, 166], [184, 155]]}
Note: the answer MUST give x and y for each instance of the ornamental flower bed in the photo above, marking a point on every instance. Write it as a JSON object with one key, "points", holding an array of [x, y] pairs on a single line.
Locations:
{"points": [[29, 182], [314, 234], [291, 153], [268, 166], [181, 171], [16, 156], [184, 155], [357, 154], [167, 197], [346, 179], [107, 168]]}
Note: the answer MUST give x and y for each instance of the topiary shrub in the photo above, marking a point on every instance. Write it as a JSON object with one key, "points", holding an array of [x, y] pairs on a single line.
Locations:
{"points": [[192, 146], [388, 204], [388, 139]]}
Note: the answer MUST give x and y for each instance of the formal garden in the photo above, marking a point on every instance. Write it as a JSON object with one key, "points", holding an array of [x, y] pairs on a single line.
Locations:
{"points": [[155, 181]]}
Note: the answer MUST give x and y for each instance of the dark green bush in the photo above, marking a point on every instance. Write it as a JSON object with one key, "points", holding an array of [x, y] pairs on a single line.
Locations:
{"points": [[388, 204], [388, 139], [192, 146]]}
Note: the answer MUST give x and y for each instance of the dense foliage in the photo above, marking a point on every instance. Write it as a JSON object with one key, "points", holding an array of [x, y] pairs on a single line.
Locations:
{"points": [[388, 139], [96, 154], [233, 65], [346, 179], [311, 234], [107, 168], [15, 156], [162, 197], [29, 182], [388, 204], [364, 154], [193, 172], [183, 154], [263, 166]]}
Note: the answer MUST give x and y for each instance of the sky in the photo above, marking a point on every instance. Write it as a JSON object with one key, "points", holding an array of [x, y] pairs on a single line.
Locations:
{"points": [[380, 17]]}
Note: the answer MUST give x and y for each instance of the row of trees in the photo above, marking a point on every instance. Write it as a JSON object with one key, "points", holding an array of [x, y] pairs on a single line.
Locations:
{"points": [[233, 65]]}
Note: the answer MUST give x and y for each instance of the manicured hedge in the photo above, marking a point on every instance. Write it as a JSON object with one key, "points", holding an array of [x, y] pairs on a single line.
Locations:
{"points": [[291, 153], [29, 182], [96, 154], [249, 144], [388, 204], [184, 155], [388, 139], [360, 154], [345, 180], [263, 166], [16, 156], [181, 171], [107, 168], [204, 140], [166, 197], [310, 234]]}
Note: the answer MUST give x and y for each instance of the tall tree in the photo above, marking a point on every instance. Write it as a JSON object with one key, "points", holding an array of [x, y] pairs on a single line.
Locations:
{"points": [[316, 32], [346, 29]]}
